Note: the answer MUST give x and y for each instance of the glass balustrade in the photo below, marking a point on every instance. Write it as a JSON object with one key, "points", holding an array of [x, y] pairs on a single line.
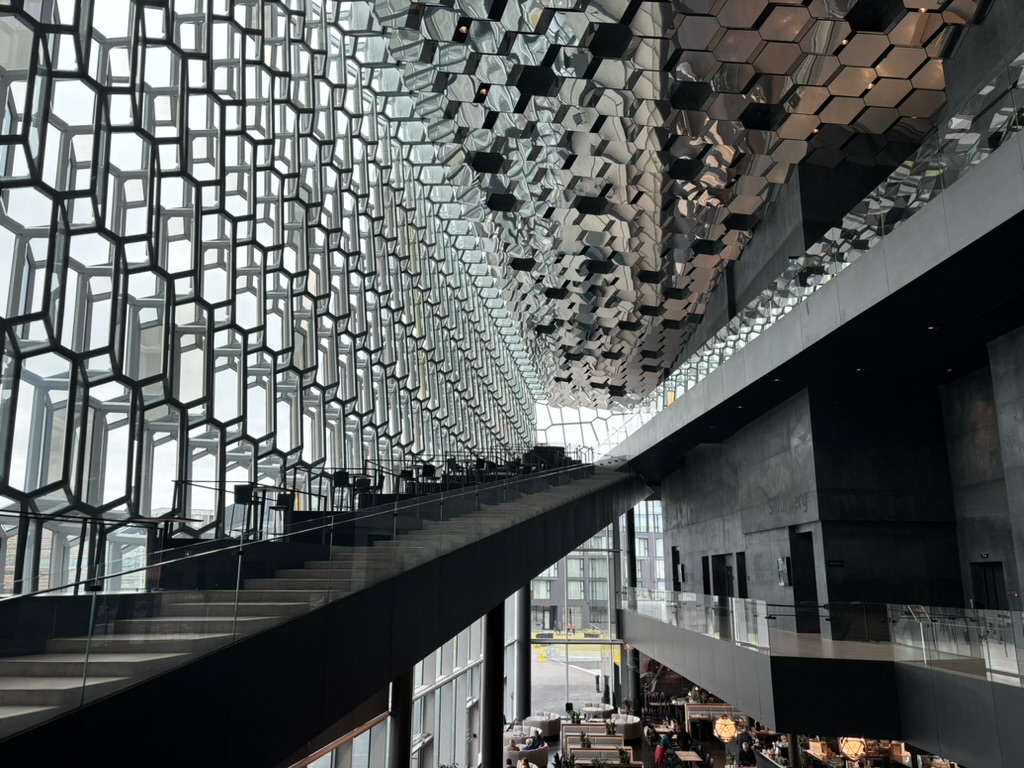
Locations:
{"points": [[119, 625], [987, 644]]}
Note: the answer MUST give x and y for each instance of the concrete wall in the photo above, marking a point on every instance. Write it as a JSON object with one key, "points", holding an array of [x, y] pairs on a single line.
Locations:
{"points": [[1006, 355], [983, 49], [864, 471], [742, 495], [884, 496], [976, 471]]}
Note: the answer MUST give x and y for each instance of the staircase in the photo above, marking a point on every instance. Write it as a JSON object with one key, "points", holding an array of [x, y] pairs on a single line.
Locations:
{"points": [[185, 625]]}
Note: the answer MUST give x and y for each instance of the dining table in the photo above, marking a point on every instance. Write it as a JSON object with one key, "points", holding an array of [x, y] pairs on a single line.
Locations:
{"points": [[689, 756]]}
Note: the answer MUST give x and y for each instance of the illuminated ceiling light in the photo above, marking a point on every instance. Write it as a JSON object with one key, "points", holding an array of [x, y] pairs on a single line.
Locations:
{"points": [[463, 30], [483, 90], [851, 746], [845, 42], [725, 728]]}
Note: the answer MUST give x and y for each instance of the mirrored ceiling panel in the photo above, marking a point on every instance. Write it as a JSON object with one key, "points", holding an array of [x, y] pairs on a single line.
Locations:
{"points": [[609, 159]]}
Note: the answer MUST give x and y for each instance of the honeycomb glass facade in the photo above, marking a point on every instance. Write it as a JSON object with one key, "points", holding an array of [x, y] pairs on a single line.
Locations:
{"points": [[220, 260]]}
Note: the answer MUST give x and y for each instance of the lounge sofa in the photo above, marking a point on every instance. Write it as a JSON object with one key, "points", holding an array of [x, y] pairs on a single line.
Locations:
{"points": [[627, 726], [548, 723]]}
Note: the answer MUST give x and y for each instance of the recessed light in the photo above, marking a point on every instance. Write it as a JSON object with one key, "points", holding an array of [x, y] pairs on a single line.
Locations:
{"points": [[870, 86], [933, 327], [776, 380], [463, 29], [858, 370], [845, 42], [483, 91]]}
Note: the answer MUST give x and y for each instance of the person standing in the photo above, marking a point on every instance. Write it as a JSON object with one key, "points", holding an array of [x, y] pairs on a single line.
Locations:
{"points": [[746, 755]]}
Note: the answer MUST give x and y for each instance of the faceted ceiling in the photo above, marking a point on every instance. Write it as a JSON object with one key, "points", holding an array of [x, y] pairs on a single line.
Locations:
{"points": [[598, 163]]}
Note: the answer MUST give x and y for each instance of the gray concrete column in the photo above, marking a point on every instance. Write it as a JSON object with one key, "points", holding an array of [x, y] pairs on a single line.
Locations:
{"points": [[794, 751], [631, 556], [523, 656], [400, 727], [493, 685], [631, 657]]}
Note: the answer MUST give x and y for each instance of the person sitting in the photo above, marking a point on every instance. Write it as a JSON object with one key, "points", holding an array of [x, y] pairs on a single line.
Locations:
{"points": [[650, 734], [684, 739], [535, 742], [746, 755], [511, 746]]}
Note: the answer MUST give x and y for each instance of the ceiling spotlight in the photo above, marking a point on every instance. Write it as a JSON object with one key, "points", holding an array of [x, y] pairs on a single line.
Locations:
{"points": [[483, 90], [845, 42], [933, 327], [870, 86], [463, 30]]}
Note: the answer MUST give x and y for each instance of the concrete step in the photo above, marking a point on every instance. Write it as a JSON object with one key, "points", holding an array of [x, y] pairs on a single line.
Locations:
{"points": [[102, 664], [332, 578], [257, 596], [341, 566], [56, 691], [180, 642], [309, 584], [15, 718], [230, 608], [162, 625]]}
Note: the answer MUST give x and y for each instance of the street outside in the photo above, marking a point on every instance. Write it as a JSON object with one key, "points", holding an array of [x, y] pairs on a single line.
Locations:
{"points": [[557, 679]]}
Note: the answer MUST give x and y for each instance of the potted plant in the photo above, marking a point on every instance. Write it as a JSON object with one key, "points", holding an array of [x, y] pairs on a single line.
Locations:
{"points": [[609, 728], [585, 740], [597, 762], [730, 758], [627, 705], [564, 762], [575, 717]]}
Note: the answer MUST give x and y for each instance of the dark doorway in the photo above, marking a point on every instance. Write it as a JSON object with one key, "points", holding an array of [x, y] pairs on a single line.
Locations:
{"points": [[705, 567], [677, 580], [721, 574], [805, 582], [989, 587], [741, 574], [544, 617]]}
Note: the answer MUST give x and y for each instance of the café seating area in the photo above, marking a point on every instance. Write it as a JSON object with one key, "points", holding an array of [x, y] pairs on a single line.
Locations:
{"points": [[538, 757], [590, 742]]}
